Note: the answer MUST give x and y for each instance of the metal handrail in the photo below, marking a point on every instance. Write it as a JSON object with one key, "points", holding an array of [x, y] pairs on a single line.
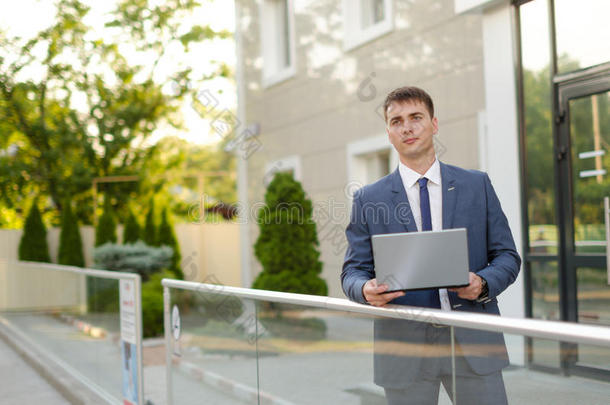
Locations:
{"points": [[552, 330], [115, 275]]}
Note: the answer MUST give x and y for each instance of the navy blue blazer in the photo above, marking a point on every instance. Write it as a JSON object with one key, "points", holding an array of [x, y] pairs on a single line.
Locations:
{"points": [[469, 201]]}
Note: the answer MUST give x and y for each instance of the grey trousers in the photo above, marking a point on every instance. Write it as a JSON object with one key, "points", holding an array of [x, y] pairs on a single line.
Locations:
{"points": [[470, 388]]}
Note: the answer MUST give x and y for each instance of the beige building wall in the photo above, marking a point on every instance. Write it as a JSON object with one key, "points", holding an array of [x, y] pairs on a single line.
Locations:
{"points": [[334, 100], [210, 251]]}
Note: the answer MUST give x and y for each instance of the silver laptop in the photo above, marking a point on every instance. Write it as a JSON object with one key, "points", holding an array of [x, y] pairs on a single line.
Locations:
{"points": [[419, 260]]}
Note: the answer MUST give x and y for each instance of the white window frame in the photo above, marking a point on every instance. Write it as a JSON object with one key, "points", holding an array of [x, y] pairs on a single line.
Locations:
{"points": [[354, 34], [357, 149], [285, 164], [267, 32]]}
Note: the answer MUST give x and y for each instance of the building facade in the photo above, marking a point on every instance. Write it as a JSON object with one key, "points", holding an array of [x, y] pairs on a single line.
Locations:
{"points": [[520, 91]]}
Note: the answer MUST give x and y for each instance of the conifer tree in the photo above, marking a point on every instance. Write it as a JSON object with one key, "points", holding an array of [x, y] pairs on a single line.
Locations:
{"points": [[106, 226], [33, 245], [167, 237], [287, 244], [131, 231], [149, 234], [70, 242]]}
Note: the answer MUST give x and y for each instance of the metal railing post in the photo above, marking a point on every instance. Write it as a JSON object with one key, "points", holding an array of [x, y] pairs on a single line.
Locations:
{"points": [[168, 344]]}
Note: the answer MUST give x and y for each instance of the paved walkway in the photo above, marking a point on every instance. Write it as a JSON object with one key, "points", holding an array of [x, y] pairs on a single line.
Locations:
{"points": [[20, 384]]}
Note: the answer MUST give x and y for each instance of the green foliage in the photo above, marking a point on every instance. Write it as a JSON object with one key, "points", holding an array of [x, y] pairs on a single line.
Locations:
{"points": [[91, 100], [287, 244], [152, 305], [102, 295], [33, 245], [137, 258], [167, 237], [70, 242], [106, 227], [172, 169], [149, 235], [131, 230]]}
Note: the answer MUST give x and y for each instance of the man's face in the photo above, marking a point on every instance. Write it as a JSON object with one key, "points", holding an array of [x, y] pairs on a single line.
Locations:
{"points": [[410, 129]]}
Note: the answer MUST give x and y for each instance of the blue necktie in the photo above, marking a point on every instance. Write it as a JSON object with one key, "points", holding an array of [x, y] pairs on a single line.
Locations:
{"points": [[426, 225], [424, 205]]}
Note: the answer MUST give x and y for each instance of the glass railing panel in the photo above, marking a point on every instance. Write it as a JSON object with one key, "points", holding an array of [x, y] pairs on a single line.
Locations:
{"points": [[213, 350], [74, 320], [313, 356], [492, 372], [544, 353]]}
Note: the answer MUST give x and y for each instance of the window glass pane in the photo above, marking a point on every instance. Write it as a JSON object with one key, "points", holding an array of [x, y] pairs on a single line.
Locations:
{"points": [[583, 33], [376, 165], [545, 290], [590, 139], [593, 296], [282, 43], [276, 36], [538, 127], [285, 32], [371, 12]]}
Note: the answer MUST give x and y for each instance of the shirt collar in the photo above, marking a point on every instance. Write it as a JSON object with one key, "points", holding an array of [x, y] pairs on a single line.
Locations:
{"points": [[410, 176]]}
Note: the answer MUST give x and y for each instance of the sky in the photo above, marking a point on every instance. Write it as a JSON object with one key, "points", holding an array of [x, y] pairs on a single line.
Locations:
{"points": [[18, 19]]}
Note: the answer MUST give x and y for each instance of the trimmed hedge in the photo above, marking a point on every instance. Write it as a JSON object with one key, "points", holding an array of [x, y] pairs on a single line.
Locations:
{"points": [[33, 244], [149, 233], [287, 243], [70, 242], [167, 237], [105, 231], [131, 232]]}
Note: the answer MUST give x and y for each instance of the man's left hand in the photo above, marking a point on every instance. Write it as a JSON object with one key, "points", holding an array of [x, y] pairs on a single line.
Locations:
{"points": [[472, 290]]}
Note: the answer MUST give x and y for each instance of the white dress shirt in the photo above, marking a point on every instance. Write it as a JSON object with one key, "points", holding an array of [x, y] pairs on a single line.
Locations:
{"points": [[409, 180]]}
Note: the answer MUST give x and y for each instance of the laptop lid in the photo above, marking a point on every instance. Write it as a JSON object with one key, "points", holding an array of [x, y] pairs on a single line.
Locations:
{"points": [[420, 260]]}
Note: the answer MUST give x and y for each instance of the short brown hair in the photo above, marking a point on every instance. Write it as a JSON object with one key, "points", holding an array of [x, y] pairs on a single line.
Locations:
{"points": [[408, 94]]}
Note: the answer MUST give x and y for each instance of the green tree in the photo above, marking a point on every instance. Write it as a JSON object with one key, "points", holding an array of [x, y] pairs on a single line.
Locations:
{"points": [[287, 244], [171, 177], [131, 230], [167, 237], [106, 226], [33, 245], [92, 99], [149, 235], [70, 242]]}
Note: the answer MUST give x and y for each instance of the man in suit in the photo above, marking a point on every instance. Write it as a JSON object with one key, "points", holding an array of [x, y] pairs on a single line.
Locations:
{"points": [[425, 194]]}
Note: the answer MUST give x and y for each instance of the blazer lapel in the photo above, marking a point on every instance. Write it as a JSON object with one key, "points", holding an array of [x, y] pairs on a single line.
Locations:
{"points": [[449, 195], [402, 209]]}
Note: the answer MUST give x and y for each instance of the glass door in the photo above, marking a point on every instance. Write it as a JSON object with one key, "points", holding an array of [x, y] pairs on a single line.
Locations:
{"points": [[584, 180]]}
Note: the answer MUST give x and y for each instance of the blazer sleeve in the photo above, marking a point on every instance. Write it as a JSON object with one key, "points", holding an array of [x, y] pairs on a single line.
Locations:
{"points": [[504, 261], [358, 265]]}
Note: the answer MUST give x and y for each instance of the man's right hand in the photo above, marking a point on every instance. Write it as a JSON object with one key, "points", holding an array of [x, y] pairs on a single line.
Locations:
{"points": [[375, 294]]}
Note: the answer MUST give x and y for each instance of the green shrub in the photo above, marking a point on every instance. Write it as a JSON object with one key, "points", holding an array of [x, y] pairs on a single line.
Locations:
{"points": [[167, 237], [131, 231], [287, 243], [137, 258], [106, 227], [149, 235], [152, 305], [102, 295], [70, 242], [33, 245]]}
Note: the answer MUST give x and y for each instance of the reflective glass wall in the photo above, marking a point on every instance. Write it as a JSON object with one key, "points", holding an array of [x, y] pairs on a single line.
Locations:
{"points": [[565, 116]]}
